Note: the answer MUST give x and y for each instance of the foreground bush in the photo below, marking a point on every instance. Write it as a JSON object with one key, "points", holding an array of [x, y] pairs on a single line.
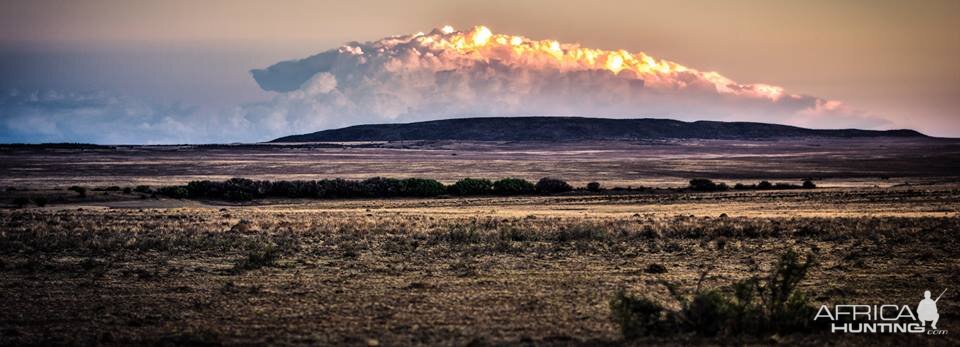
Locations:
{"points": [[758, 306], [637, 316]]}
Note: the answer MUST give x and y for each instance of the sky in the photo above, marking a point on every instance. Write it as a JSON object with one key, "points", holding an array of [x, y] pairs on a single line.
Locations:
{"points": [[180, 71]]}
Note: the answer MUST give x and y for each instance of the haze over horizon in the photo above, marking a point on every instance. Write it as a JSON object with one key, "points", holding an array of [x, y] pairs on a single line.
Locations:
{"points": [[178, 71]]}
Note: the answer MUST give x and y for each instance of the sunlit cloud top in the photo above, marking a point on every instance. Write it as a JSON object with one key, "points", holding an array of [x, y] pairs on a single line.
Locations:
{"points": [[478, 72], [443, 73]]}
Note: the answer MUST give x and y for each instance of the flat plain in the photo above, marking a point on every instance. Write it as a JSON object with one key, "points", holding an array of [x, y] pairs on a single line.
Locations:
{"points": [[116, 268]]}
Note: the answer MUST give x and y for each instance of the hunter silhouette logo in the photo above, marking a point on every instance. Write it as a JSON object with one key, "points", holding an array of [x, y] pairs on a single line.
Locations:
{"points": [[884, 318], [927, 309]]}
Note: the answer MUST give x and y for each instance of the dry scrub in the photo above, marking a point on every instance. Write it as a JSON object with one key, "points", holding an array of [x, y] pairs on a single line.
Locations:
{"points": [[310, 276]]}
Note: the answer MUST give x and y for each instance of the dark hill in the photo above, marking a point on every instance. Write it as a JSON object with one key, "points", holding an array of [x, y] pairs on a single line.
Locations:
{"points": [[575, 128]]}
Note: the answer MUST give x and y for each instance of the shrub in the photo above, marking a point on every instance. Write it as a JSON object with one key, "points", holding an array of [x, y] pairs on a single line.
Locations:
{"points": [[759, 305], [513, 186], [262, 256], [705, 185], [471, 186], [655, 268], [127, 190], [339, 188], [784, 305], [420, 187], [593, 186], [381, 187], [808, 184], [143, 189], [40, 201], [637, 316], [765, 185], [549, 185], [708, 313]]}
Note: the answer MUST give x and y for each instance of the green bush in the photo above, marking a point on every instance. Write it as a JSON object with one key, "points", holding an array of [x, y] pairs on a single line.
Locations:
{"points": [[549, 185], [765, 185], [143, 189], [420, 187], [785, 306], [40, 201], [705, 185], [637, 316], [513, 186], [708, 313], [381, 187], [758, 306], [471, 186], [808, 184]]}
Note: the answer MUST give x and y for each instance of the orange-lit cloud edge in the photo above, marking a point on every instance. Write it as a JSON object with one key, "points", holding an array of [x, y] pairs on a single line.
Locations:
{"points": [[427, 76], [480, 44], [477, 72]]}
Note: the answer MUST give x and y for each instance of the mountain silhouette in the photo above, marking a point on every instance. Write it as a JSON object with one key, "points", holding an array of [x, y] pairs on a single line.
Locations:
{"points": [[577, 129]]}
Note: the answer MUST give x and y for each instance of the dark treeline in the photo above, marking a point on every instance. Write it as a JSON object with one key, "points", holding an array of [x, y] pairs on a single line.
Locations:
{"points": [[242, 189], [705, 185]]}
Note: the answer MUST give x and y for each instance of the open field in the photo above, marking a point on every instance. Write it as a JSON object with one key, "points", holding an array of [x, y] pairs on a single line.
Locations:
{"points": [[856, 162], [115, 268], [451, 271]]}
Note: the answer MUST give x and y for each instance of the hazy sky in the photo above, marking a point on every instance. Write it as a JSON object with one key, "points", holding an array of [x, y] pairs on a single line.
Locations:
{"points": [[148, 60]]}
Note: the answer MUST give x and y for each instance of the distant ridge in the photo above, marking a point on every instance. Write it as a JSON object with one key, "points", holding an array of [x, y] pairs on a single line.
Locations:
{"points": [[576, 129]]}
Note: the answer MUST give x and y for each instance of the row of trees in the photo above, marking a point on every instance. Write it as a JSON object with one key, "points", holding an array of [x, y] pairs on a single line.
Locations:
{"points": [[242, 189], [705, 185]]}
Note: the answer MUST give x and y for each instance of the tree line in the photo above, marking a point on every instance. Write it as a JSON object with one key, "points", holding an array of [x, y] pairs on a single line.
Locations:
{"points": [[242, 189]]}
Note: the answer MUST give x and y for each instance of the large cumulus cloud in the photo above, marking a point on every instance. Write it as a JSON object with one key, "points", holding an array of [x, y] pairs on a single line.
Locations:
{"points": [[449, 73], [441, 74]]}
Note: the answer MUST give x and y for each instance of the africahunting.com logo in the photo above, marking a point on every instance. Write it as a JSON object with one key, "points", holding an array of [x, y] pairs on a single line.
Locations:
{"points": [[884, 318]]}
